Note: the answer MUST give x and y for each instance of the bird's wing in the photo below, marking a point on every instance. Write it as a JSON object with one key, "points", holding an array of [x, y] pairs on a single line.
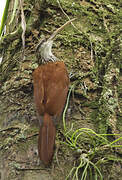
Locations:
{"points": [[38, 90], [56, 90]]}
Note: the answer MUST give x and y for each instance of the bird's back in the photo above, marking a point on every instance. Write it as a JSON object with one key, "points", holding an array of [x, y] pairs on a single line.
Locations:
{"points": [[51, 84]]}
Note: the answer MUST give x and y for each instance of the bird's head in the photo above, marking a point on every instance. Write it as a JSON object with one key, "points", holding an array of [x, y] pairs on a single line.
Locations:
{"points": [[44, 47]]}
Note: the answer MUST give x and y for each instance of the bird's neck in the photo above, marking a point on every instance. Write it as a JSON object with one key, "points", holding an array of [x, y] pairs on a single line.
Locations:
{"points": [[46, 53]]}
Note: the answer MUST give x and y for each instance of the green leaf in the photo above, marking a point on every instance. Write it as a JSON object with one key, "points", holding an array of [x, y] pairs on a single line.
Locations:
{"points": [[4, 17], [14, 11]]}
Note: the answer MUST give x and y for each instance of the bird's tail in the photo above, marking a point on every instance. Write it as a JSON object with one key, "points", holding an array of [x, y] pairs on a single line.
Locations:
{"points": [[46, 139]]}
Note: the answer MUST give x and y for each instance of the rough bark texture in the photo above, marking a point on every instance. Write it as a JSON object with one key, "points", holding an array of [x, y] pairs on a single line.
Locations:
{"points": [[92, 55]]}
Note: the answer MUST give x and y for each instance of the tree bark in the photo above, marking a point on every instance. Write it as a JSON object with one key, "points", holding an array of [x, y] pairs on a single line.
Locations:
{"points": [[91, 51]]}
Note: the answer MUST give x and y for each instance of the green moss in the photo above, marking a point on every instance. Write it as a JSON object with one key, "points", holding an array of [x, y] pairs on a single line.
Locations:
{"points": [[98, 31]]}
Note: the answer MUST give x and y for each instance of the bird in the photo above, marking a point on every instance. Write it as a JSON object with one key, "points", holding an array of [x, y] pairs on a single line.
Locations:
{"points": [[51, 84]]}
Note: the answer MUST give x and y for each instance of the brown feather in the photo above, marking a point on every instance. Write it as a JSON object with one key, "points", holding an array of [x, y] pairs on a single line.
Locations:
{"points": [[46, 139], [51, 84]]}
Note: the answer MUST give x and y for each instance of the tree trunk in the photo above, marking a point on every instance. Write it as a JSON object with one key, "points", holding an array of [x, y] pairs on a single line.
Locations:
{"points": [[91, 51]]}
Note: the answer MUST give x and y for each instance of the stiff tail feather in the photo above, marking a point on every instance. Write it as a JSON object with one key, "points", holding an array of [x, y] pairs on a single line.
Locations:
{"points": [[46, 139]]}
